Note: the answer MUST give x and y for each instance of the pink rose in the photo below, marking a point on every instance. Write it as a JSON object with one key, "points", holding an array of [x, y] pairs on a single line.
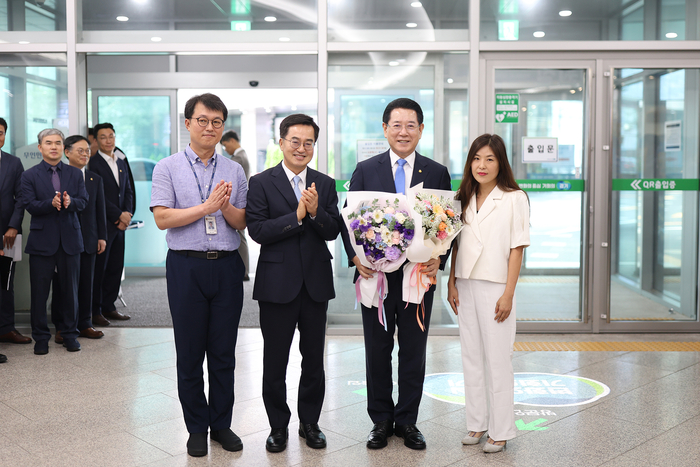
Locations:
{"points": [[442, 235], [369, 235], [395, 238]]}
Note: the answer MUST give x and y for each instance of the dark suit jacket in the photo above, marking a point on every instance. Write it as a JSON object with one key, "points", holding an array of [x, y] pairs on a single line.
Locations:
{"points": [[50, 227], [11, 212], [375, 174], [93, 220], [118, 198], [291, 254]]}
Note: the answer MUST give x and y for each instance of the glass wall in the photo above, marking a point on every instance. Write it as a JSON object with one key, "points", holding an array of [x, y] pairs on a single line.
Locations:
{"points": [[593, 20], [398, 20], [360, 86]]}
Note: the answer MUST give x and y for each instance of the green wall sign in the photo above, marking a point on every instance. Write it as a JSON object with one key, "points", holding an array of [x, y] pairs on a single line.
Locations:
{"points": [[655, 184], [507, 107]]}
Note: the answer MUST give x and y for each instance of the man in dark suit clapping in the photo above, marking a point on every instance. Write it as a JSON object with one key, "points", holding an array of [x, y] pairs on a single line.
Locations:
{"points": [[93, 225], [119, 207], [292, 212], [53, 193]]}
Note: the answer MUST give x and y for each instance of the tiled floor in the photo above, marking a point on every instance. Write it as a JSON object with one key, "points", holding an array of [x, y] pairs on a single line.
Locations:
{"points": [[115, 404]]}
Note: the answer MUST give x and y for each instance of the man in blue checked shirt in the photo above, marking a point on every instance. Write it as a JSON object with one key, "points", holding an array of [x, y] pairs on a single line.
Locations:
{"points": [[200, 198]]}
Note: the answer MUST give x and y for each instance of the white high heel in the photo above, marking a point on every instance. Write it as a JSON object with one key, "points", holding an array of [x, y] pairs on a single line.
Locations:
{"points": [[471, 440], [489, 447]]}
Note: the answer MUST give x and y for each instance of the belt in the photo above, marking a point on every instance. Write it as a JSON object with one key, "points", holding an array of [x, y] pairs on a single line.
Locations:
{"points": [[204, 254]]}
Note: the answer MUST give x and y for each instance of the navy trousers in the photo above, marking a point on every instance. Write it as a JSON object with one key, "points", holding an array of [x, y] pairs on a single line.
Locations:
{"points": [[85, 278], [108, 273], [7, 304], [378, 347], [206, 298]]}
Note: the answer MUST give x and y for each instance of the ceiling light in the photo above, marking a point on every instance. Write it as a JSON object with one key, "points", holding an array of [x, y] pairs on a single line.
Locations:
{"points": [[580, 89], [394, 63], [538, 33], [533, 106], [450, 81], [270, 19], [416, 4], [671, 35], [294, 107], [572, 91], [284, 39], [122, 18], [524, 109], [156, 39], [565, 13], [23, 42], [411, 25]]}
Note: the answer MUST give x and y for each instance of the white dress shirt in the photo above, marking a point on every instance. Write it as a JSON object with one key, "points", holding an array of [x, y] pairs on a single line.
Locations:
{"points": [[112, 162]]}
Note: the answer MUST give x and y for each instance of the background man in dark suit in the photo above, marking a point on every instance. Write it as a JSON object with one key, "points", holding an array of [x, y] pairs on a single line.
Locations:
{"points": [[11, 215], [119, 205], [392, 172], [93, 225], [232, 145], [292, 212], [53, 193]]}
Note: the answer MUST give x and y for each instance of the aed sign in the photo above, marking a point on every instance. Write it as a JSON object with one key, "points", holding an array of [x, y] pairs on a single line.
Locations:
{"points": [[507, 107]]}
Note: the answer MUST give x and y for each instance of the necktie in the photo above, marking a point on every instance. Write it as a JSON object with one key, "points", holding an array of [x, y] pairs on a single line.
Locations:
{"points": [[297, 191], [400, 177], [55, 181]]}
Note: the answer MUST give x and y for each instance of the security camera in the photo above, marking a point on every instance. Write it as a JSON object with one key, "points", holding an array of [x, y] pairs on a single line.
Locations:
{"points": [[253, 83]]}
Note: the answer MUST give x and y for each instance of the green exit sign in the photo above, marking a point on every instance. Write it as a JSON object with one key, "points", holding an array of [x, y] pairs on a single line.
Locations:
{"points": [[240, 7], [508, 29], [240, 25]]}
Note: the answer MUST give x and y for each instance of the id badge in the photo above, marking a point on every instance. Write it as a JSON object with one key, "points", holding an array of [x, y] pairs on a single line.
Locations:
{"points": [[210, 224]]}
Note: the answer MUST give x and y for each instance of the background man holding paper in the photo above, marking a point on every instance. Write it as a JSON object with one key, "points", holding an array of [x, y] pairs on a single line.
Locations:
{"points": [[11, 215], [393, 172]]}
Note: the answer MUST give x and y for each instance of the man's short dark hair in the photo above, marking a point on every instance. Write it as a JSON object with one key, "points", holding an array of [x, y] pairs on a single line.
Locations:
{"points": [[208, 100], [71, 140], [91, 132], [403, 103], [3, 122], [102, 126], [297, 119], [230, 135]]}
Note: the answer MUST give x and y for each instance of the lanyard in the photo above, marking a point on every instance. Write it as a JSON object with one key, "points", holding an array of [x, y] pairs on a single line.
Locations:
{"points": [[201, 194]]}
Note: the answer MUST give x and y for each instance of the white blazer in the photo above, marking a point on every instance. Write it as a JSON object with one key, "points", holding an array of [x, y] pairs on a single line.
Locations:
{"points": [[502, 223]]}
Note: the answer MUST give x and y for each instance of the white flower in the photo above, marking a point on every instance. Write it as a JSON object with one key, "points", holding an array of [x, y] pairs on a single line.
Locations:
{"points": [[377, 216], [400, 218]]}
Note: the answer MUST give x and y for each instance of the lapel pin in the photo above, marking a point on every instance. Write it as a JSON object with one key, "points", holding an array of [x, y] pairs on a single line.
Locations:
{"points": [[420, 171]]}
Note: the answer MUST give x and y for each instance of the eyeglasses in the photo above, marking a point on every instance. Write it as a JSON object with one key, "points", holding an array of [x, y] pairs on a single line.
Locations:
{"points": [[80, 151], [409, 127], [204, 122], [295, 143]]}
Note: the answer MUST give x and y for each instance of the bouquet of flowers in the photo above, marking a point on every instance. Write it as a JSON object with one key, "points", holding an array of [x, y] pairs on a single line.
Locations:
{"points": [[382, 227], [440, 221]]}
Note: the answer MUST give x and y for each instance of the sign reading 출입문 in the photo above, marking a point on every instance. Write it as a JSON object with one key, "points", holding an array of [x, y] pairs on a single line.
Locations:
{"points": [[540, 150], [507, 107]]}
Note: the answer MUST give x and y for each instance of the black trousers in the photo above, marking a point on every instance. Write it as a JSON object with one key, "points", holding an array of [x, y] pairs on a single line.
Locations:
{"points": [[108, 273], [7, 304], [277, 323], [41, 273], [205, 298], [85, 280], [378, 347]]}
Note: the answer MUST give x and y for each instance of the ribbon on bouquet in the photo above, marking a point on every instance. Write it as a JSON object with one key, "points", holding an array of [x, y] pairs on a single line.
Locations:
{"points": [[419, 279], [381, 291]]}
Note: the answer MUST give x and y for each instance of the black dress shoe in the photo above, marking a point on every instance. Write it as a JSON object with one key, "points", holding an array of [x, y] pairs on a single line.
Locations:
{"points": [[313, 435], [277, 441], [41, 347], [412, 437], [380, 432], [228, 439], [197, 444], [114, 314], [71, 345], [3, 358], [99, 320]]}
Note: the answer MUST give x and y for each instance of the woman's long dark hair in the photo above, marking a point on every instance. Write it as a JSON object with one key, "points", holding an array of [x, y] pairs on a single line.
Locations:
{"points": [[505, 179]]}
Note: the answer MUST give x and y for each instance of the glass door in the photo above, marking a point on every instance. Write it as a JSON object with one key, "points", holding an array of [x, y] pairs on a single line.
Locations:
{"points": [[542, 112], [654, 148]]}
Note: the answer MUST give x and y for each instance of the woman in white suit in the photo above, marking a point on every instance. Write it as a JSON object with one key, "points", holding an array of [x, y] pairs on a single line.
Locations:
{"points": [[486, 263]]}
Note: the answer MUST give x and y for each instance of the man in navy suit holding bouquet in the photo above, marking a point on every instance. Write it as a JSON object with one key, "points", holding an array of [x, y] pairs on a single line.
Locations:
{"points": [[393, 172]]}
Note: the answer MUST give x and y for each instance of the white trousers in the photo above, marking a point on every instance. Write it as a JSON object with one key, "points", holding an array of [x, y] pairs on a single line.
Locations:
{"points": [[487, 352]]}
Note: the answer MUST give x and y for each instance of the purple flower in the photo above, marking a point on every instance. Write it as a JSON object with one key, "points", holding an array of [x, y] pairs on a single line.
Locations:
{"points": [[364, 228], [408, 234], [354, 224], [393, 253]]}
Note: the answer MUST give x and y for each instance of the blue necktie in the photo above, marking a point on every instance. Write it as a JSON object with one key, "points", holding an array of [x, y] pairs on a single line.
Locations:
{"points": [[297, 191], [400, 178]]}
